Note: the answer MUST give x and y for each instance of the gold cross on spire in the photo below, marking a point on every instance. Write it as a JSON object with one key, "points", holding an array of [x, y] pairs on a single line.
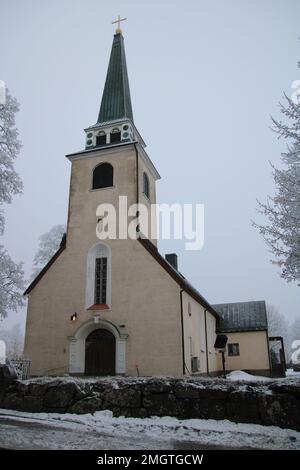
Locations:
{"points": [[118, 30]]}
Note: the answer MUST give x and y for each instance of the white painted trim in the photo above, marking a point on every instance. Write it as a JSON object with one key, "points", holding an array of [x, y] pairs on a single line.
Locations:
{"points": [[77, 346], [148, 163], [97, 250], [92, 175], [102, 189], [95, 152]]}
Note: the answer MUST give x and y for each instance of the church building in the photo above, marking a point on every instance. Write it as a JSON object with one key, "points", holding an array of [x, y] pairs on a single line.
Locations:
{"points": [[117, 306]]}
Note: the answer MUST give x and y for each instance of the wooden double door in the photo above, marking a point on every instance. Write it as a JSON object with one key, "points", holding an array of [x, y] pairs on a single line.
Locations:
{"points": [[100, 353]]}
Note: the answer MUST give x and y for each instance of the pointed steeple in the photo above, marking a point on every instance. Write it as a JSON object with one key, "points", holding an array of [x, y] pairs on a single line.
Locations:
{"points": [[115, 124], [116, 101]]}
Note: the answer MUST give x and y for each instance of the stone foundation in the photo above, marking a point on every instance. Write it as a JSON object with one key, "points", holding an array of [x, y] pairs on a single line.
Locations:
{"points": [[274, 403]]}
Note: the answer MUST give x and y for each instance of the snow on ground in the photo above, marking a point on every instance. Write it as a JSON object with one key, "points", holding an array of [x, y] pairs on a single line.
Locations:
{"points": [[292, 373], [234, 376], [238, 375], [70, 431]]}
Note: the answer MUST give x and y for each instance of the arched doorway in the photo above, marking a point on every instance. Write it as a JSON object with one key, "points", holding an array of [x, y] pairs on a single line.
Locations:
{"points": [[100, 353]]}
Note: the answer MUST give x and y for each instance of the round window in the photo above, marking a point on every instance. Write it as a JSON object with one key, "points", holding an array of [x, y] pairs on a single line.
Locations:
{"points": [[125, 127], [90, 134], [125, 134], [89, 142]]}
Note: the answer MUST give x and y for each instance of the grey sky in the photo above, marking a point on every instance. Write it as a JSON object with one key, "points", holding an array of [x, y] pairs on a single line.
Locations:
{"points": [[204, 75]]}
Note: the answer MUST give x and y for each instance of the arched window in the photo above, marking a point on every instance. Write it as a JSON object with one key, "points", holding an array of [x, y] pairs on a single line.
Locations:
{"points": [[98, 281], [103, 176], [146, 185], [101, 138], [115, 136]]}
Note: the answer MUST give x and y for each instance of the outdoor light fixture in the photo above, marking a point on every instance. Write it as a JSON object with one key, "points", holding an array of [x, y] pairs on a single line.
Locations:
{"points": [[220, 345], [73, 317]]}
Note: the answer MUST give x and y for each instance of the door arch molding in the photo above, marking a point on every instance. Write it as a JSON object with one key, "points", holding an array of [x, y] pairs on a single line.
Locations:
{"points": [[77, 345]]}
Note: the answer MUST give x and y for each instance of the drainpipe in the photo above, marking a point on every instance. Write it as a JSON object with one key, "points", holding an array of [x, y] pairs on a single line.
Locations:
{"points": [[182, 332], [206, 345]]}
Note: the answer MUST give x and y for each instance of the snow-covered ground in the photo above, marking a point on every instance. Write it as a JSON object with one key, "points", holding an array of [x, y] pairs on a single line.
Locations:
{"points": [[292, 373], [20, 430], [238, 375]]}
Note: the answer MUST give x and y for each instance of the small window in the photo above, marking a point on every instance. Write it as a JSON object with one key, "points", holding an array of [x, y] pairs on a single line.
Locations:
{"points": [[146, 185], [100, 280], [189, 309], [233, 349], [103, 176], [101, 139], [115, 136]]}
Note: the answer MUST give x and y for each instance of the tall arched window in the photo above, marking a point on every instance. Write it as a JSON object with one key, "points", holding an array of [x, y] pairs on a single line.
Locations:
{"points": [[103, 176], [98, 277], [146, 185], [115, 136]]}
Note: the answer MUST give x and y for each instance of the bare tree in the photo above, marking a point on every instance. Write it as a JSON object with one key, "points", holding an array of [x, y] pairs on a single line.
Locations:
{"points": [[282, 232], [49, 243], [295, 329], [11, 274], [10, 182], [14, 341], [279, 326], [11, 283]]}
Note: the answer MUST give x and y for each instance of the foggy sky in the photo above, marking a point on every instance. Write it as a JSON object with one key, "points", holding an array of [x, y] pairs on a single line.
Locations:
{"points": [[205, 76]]}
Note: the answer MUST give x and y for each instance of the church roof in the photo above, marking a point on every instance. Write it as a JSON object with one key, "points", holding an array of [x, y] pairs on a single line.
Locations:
{"points": [[116, 101], [47, 266], [242, 316], [177, 276]]}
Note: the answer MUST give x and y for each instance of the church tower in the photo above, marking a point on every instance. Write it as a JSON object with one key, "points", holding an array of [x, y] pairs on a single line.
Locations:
{"points": [[109, 306], [114, 152], [115, 119]]}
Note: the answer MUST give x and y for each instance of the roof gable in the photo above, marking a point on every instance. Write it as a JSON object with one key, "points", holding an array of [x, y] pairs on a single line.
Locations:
{"points": [[242, 316], [179, 278]]}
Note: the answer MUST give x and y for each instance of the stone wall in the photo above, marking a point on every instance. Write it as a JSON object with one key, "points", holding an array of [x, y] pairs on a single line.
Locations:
{"points": [[270, 403]]}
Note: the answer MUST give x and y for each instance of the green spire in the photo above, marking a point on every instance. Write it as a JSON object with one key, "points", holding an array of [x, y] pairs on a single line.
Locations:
{"points": [[116, 101]]}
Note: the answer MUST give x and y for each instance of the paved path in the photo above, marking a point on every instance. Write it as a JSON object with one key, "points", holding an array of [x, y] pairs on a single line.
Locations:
{"points": [[16, 433]]}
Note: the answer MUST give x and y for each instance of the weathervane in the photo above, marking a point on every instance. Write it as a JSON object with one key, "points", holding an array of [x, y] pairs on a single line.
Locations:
{"points": [[118, 30]]}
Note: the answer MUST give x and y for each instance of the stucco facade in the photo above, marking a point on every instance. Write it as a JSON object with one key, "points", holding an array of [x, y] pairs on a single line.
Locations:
{"points": [[150, 319], [253, 352], [144, 312], [199, 337]]}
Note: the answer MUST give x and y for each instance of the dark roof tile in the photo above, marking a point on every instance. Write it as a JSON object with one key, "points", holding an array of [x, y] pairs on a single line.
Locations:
{"points": [[242, 316]]}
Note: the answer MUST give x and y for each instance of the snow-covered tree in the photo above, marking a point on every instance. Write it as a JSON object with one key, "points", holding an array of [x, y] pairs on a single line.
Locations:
{"points": [[279, 326], [11, 274], [282, 232], [295, 329], [10, 182], [49, 243], [14, 341], [11, 283]]}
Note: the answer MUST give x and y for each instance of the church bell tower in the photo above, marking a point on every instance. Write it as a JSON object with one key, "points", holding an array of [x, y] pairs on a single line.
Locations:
{"points": [[114, 162], [115, 120]]}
